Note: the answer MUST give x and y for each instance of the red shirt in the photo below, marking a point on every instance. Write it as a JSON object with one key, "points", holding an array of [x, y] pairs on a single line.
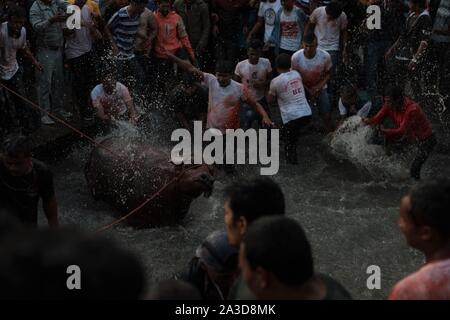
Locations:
{"points": [[411, 122]]}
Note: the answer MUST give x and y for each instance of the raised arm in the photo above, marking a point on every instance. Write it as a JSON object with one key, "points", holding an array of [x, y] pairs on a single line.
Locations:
{"points": [[186, 66]]}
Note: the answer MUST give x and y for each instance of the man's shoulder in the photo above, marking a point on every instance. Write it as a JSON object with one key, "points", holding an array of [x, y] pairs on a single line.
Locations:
{"points": [[242, 63], [323, 53], [97, 89], [299, 54], [265, 61]]}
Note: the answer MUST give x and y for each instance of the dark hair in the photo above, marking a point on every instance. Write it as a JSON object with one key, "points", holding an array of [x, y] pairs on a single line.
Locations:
{"points": [[283, 61], [279, 246], [224, 66], [395, 92], [430, 205], [17, 145], [420, 3], [174, 290], [146, 1], [347, 90], [255, 44], [309, 38], [255, 198], [16, 11], [334, 9], [35, 266]]}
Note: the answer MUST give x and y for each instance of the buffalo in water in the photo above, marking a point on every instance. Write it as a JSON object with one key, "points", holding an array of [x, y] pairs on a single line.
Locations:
{"points": [[127, 172]]}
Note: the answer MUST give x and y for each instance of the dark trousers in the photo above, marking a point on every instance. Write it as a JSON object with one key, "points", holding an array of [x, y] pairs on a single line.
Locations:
{"points": [[425, 148], [16, 113], [291, 133], [374, 65], [82, 82]]}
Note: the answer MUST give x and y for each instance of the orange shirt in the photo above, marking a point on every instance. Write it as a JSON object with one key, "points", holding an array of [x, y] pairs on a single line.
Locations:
{"points": [[172, 35]]}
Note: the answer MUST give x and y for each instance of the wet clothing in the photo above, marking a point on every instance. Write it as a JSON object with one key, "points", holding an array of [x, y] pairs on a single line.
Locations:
{"points": [[411, 122], [413, 127], [19, 196], [431, 282], [224, 103]]}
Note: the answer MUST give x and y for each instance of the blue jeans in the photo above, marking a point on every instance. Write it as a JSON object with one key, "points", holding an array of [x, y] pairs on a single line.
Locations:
{"points": [[322, 102], [249, 115]]}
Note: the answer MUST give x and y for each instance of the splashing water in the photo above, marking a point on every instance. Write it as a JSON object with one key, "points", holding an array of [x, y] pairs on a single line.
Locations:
{"points": [[351, 142]]}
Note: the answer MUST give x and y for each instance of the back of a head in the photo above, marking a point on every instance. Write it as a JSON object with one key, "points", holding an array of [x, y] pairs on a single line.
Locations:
{"points": [[255, 198], [279, 246], [173, 290], [36, 267], [430, 205], [347, 90], [334, 9], [16, 11], [283, 61], [395, 92]]}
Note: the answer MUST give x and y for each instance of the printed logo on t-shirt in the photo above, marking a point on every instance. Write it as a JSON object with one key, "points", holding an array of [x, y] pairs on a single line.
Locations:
{"points": [[289, 29], [269, 17], [167, 29]]}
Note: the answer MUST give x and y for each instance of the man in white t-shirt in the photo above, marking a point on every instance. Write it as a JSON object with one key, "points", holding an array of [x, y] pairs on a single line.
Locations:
{"points": [[225, 95], [13, 39], [78, 52], [288, 29], [267, 13], [112, 101], [329, 24], [255, 74], [315, 65], [287, 89]]}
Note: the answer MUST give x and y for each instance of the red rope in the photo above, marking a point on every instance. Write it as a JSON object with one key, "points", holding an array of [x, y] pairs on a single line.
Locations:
{"points": [[117, 221], [83, 135]]}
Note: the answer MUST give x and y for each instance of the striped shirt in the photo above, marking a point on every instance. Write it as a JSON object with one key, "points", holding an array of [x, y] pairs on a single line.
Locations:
{"points": [[124, 29]]}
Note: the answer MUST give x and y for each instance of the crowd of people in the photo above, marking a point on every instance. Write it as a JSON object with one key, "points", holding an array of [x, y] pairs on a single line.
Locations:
{"points": [[227, 64]]}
